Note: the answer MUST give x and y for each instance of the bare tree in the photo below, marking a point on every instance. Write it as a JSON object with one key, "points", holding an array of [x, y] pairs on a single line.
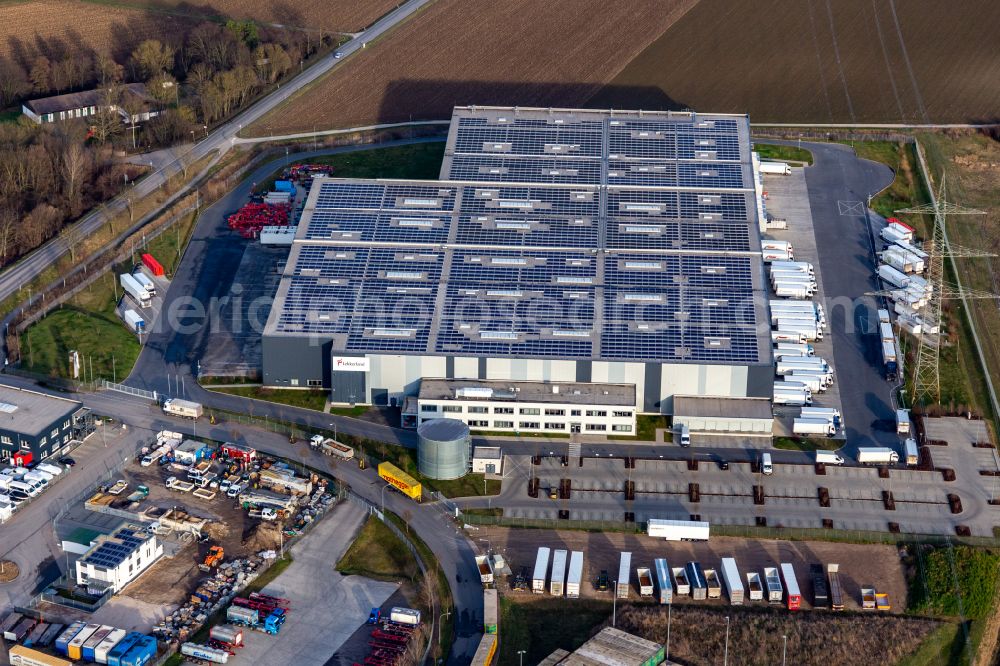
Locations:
{"points": [[13, 82], [8, 230], [106, 69], [151, 58], [41, 74], [76, 163], [107, 122]]}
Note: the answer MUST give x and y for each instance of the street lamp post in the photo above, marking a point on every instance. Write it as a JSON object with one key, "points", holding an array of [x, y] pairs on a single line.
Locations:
{"points": [[382, 495], [784, 648], [440, 626], [520, 654], [725, 655], [614, 604]]}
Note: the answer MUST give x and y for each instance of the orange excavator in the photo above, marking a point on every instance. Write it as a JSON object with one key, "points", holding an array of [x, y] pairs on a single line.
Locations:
{"points": [[215, 555]]}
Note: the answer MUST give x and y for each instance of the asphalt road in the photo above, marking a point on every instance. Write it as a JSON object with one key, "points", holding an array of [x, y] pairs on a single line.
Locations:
{"points": [[219, 140]]}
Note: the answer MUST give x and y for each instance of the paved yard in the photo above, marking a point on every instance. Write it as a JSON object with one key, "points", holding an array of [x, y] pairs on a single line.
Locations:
{"points": [[326, 607]]}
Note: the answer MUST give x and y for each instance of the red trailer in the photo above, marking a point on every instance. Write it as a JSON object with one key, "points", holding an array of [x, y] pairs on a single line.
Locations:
{"points": [[152, 264], [237, 452]]}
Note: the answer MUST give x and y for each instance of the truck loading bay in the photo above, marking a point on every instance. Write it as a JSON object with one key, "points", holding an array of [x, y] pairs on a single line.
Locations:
{"points": [[794, 496]]}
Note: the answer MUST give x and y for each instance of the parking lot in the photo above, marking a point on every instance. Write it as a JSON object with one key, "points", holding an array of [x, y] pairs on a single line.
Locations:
{"points": [[326, 607], [860, 565], [791, 495]]}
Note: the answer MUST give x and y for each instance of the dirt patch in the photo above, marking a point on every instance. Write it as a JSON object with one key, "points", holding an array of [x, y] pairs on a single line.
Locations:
{"points": [[264, 536], [169, 581], [517, 52], [859, 564], [8, 571]]}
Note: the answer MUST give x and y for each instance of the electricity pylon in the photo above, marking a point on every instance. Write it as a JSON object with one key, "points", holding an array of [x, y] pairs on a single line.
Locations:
{"points": [[927, 374]]}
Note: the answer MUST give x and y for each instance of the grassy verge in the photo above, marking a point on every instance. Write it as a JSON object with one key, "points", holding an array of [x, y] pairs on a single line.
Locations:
{"points": [[10, 115], [442, 587], [797, 444], [354, 412], [772, 151], [484, 512], [419, 161], [88, 324], [305, 398], [541, 626], [378, 553], [943, 646], [646, 426]]}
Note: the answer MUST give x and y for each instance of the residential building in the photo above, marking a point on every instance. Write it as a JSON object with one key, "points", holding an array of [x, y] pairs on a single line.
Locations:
{"points": [[117, 559]]}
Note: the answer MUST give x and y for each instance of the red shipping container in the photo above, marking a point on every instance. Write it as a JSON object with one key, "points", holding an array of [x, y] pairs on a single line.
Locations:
{"points": [[152, 264]]}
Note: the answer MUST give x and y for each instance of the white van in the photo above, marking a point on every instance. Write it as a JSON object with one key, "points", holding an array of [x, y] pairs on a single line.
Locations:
{"points": [[765, 464], [25, 487], [685, 435], [53, 470], [35, 476], [829, 458]]}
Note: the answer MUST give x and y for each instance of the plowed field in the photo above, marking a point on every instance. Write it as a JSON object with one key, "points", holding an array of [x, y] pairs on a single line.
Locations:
{"points": [[525, 52], [61, 28], [917, 61], [339, 15]]}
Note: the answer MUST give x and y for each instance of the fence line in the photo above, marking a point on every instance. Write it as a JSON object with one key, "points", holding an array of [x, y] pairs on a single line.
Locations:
{"points": [[122, 388]]}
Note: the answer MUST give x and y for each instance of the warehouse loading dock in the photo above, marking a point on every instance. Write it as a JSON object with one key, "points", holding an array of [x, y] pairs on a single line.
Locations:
{"points": [[735, 416]]}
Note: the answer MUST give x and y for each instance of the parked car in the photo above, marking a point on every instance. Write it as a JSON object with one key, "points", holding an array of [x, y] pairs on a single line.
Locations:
{"points": [[225, 485], [374, 616], [234, 490], [723, 464], [66, 460]]}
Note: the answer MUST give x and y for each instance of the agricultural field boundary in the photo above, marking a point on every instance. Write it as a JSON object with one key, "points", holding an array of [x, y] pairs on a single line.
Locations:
{"points": [[925, 175], [347, 130]]}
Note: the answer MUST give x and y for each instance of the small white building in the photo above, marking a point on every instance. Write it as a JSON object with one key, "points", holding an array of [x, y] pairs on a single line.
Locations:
{"points": [[86, 103], [487, 460], [187, 452], [117, 559], [543, 407]]}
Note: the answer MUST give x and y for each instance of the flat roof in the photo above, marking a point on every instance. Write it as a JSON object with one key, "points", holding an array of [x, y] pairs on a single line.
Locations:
{"points": [[553, 233], [117, 547], [487, 452], [30, 412], [738, 408], [614, 647], [575, 393]]}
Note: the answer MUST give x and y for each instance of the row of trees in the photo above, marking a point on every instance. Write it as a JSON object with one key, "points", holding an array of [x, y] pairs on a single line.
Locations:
{"points": [[49, 175]]}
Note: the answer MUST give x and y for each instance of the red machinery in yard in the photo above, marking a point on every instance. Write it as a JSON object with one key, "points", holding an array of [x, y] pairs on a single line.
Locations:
{"points": [[251, 218]]}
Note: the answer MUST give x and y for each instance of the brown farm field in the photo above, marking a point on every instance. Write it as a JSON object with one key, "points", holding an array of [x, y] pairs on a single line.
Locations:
{"points": [[918, 61], [329, 15], [61, 28], [554, 53]]}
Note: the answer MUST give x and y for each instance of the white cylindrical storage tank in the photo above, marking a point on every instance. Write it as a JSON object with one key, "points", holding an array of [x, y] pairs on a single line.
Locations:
{"points": [[444, 450]]}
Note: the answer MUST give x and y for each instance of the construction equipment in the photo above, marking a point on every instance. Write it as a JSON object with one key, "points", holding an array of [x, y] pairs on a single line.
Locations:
{"points": [[214, 557]]}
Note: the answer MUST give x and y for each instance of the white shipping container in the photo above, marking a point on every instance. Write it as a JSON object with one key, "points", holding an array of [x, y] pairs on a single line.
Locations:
{"points": [[902, 422], [557, 582], [892, 276], [135, 321]]}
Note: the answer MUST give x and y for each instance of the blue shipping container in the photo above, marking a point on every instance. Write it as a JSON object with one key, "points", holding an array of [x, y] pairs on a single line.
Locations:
{"points": [[120, 650], [284, 186], [62, 643], [143, 652]]}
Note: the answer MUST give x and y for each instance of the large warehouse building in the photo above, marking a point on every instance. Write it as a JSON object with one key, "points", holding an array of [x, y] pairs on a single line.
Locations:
{"points": [[560, 246]]}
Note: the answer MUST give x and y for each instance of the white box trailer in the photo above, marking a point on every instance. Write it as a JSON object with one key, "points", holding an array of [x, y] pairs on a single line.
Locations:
{"points": [[798, 306], [903, 425], [877, 455], [135, 321], [793, 290], [808, 333], [773, 244], [794, 596], [814, 363], [831, 414], [804, 347], [144, 280], [892, 276], [557, 581], [791, 274], [731, 577], [678, 530], [798, 265], [912, 452], [776, 255], [664, 587], [908, 246], [184, 408], [816, 383], [893, 234], [885, 332], [575, 577], [541, 570], [795, 337], [775, 168], [883, 316], [624, 574], [791, 386], [135, 290], [792, 399], [802, 426]]}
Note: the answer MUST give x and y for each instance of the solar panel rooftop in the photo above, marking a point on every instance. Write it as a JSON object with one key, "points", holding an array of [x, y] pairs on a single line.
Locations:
{"points": [[571, 234]]}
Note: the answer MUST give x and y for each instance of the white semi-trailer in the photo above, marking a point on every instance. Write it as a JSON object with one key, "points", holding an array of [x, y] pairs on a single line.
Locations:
{"points": [[146, 282], [813, 427], [135, 290], [678, 530], [184, 408], [775, 168], [541, 570], [877, 455], [731, 577]]}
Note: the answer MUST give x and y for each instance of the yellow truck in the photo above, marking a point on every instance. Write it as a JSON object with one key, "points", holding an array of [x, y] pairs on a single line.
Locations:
{"points": [[400, 480]]}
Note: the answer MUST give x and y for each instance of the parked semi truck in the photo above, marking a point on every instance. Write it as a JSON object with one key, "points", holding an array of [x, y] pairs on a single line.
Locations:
{"points": [[485, 570], [557, 581], [754, 586], [145, 282], [183, 408], [624, 573], [731, 577], [541, 570], [574, 578], [772, 580], [135, 290], [645, 578], [775, 168], [877, 455], [836, 594], [664, 587]]}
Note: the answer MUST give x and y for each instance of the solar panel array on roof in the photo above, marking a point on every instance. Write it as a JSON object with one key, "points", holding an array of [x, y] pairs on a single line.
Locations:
{"points": [[111, 553], [564, 234]]}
